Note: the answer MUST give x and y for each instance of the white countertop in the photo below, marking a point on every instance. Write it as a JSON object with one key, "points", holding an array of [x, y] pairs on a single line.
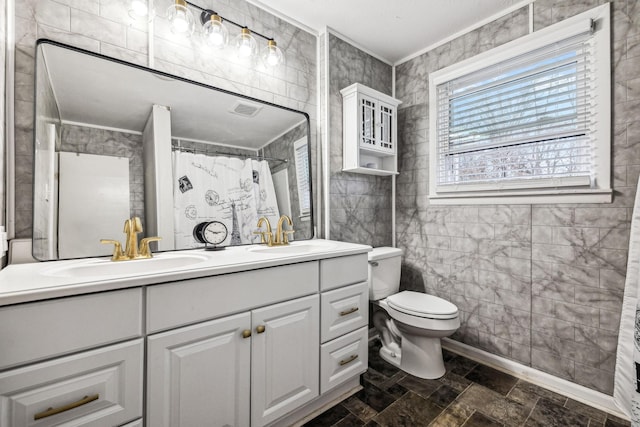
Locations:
{"points": [[44, 280]]}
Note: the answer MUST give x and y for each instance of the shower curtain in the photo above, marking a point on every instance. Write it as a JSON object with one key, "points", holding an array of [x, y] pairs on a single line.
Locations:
{"points": [[233, 191], [626, 393]]}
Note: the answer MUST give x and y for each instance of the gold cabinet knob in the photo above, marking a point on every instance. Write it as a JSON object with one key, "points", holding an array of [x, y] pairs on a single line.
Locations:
{"points": [[260, 329], [246, 333]]}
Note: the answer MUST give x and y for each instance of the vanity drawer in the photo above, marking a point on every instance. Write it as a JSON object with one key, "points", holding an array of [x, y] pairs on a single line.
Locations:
{"points": [[346, 270], [190, 301], [343, 358], [44, 329], [96, 388], [344, 310]]}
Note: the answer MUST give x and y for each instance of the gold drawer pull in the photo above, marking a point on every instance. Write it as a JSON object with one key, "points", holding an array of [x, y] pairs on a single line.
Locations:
{"points": [[246, 333], [53, 411], [260, 329], [348, 360], [351, 310]]}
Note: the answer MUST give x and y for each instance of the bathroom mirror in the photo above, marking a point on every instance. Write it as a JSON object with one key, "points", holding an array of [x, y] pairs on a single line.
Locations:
{"points": [[115, 140]]}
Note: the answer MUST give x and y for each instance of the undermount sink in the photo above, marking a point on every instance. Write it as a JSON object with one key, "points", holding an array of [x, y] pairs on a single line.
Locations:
{"points": [[303, 247], [102, 267]]}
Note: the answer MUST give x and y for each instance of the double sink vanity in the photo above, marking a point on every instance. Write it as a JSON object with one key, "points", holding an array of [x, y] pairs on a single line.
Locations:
{"points": [[251, 335], [248, 336]]}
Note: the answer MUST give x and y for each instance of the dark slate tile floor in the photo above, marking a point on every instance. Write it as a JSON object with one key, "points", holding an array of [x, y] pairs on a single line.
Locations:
{"points": [[469, 395]]}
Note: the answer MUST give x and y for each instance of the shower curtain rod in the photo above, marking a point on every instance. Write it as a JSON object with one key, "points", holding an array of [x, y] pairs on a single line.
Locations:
{"points": [[220, 153]]}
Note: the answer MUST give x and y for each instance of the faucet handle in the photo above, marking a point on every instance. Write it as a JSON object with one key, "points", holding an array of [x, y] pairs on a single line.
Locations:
{"points": [[145, 250], [285, 235], [265, 237], [117, 249]]}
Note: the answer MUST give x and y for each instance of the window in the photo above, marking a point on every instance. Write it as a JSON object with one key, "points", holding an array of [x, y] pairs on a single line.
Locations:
{"points": [[301, 150], [528, 122]]}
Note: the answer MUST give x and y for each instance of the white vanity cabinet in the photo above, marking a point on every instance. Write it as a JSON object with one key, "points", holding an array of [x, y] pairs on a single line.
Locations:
{"points": [[257, 365], [249, 368], [344, 320], [369, 131], [72, 361], [260, 346]]}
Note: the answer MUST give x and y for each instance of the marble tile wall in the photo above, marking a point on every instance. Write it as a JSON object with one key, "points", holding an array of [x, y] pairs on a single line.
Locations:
{"points": [[360, 207], [283, 148], [540, 284], [104, 26]]}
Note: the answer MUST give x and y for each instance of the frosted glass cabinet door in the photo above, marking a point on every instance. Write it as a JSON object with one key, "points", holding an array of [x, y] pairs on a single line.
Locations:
{"points": [[199, 375], [285, 359]]}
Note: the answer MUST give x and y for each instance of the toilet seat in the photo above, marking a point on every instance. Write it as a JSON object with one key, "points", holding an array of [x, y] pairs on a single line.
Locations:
{"points": [[422, 305]]}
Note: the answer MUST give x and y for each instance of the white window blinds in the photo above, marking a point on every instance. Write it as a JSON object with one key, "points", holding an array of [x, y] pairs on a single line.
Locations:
{"points": [[525, 122], [302, 173]]}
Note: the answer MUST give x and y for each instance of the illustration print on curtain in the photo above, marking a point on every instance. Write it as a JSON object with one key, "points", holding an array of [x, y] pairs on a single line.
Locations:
{"points": [[208, 188], [626, 391]]}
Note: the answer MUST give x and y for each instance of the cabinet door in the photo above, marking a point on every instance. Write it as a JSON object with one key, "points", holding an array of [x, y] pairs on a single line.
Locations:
{"points": [[368, 122], [284, 358], [199, 375], [386, 122]]}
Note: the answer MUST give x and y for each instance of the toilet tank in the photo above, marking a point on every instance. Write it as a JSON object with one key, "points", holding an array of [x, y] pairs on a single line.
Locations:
{"points": [[384, 272]]}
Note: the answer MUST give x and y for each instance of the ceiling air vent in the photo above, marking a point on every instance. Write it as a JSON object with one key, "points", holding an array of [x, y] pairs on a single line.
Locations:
{"points": [[246, 109]]}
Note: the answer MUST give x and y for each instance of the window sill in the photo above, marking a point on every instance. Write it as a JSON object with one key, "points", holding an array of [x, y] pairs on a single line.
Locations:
{"points": [[519, 197]]}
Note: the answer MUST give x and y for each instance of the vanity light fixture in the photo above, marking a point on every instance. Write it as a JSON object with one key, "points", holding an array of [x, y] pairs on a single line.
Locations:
{"points": [[245, 43], [214, 32], [181, 19], [271, 54]]}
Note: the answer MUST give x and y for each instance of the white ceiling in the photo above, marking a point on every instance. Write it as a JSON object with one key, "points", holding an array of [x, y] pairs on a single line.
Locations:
{"points": [[390, 29], [104, 93]]}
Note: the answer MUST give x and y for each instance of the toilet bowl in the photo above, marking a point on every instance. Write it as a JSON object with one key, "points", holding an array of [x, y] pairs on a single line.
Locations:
{"points": [[410, 323]]}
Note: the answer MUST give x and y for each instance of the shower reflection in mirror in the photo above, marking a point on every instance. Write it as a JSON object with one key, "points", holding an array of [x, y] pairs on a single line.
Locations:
{"points": [[168, 150]]}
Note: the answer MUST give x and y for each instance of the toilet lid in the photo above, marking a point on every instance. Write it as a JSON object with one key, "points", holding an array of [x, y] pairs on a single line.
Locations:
{"points": [[422, 305]]}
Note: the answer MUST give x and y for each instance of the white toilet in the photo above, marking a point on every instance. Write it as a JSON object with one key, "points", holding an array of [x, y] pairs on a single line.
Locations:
{"points": [[410, 323]]}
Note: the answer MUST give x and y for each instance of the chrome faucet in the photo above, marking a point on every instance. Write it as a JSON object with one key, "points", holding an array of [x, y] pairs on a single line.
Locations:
{"points": [[132, 227]]}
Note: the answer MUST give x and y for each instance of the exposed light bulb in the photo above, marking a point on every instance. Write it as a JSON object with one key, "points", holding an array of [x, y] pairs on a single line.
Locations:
{"points": [[214, 32], [271, 54], [244, 50], [180, 23], [138, 9], [245, 43], [181, 18]]}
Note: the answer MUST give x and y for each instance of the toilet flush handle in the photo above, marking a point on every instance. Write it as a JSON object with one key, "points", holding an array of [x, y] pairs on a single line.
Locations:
{"points": [[373, 263]]}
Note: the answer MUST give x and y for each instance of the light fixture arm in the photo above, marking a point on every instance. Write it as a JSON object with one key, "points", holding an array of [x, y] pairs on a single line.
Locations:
{"points": [[205, 16]]}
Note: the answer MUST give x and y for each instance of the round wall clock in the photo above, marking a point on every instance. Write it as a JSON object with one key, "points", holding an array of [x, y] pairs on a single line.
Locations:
{"points": [[211, 233]]}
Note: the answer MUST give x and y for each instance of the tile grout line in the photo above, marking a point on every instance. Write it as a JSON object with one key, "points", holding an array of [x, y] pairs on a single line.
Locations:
{"points": [[531, 411]]}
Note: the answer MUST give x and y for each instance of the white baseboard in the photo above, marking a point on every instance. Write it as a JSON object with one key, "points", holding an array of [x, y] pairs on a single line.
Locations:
{"points": [[575, 391]]}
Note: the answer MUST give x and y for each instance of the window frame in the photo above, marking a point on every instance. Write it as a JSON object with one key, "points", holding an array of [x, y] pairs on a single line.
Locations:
{"points": [[494, 193]]}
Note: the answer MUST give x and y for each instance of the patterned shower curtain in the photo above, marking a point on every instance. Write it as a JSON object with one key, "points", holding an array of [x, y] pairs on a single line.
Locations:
{"points": [[626, 391], [233, 191]]}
